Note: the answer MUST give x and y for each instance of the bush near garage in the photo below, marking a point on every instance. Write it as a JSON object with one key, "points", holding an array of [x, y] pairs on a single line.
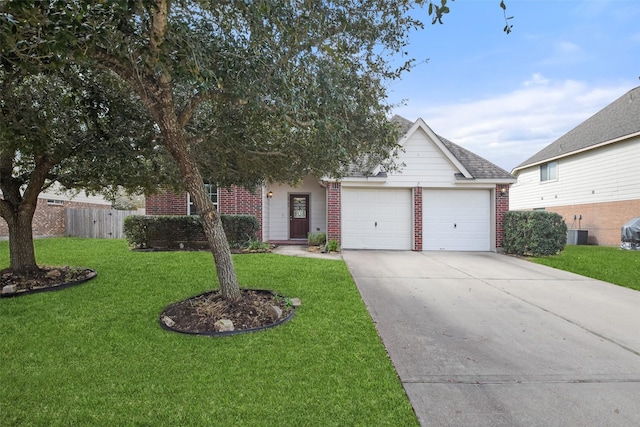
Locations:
{"points": [[533, 233], [185, 231]]}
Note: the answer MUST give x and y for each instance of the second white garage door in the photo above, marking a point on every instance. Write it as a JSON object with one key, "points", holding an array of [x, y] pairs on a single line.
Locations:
{"points": [[376, 219], [456, 220]]}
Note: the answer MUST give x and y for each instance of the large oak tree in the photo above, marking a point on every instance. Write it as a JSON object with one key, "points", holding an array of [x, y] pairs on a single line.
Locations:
{"points": [[72, 128], [242, 90]]}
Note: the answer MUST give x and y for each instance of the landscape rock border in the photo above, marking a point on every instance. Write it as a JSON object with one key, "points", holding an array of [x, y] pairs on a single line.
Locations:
{"points": [[92, 274], [165, 326]]}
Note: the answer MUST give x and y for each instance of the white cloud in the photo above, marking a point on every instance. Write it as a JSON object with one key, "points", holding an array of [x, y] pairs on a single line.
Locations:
{"points": [[536, 79], [510, 127]]}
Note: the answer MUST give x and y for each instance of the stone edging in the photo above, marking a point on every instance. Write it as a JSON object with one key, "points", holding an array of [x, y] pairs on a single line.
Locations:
{"points": [[164, 326], [92, 275]]}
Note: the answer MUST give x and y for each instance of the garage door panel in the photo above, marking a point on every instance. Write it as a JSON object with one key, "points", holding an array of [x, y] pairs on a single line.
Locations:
{"points": [[456, 220], [376, 219]]}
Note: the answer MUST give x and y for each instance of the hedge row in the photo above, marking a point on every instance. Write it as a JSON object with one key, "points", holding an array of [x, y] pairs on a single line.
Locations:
{"points": [[535, 233], [185, 232]]}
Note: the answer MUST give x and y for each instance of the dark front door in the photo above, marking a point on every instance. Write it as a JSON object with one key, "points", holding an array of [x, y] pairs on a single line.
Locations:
{"points": [[298, 216]]}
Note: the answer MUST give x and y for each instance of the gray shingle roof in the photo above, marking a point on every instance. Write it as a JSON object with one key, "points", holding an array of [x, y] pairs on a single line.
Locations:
{"points": [[477, 166], [404, 124], [617, 120]]}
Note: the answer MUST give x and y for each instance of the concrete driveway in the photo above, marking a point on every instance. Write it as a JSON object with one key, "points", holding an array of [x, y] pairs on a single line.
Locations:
{"points": [[483, 339]]}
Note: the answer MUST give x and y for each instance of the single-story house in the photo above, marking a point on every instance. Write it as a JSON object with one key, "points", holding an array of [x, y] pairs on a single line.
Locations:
{"points": [[443, 197], [590, 174]]}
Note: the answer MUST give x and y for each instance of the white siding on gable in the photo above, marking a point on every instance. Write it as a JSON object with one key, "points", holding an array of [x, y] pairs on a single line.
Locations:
{"points": [[425, 165], [605, 174]]}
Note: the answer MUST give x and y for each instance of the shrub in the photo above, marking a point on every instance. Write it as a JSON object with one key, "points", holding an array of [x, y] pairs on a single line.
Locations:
{"points": [[317, 239], [333, 246], [257, 245], [180, 231], [535, 233]]}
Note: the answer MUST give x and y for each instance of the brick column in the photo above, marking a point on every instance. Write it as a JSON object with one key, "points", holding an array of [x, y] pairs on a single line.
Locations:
{"points": [[334, 193], [502, 206], [417, 219]]}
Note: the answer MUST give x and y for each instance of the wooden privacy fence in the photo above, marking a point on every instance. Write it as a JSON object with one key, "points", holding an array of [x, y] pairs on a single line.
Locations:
{"points": [[98, 223]]}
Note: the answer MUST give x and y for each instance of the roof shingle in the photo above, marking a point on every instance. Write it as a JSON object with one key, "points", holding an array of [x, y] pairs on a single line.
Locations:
{"points": [[617, 120]]}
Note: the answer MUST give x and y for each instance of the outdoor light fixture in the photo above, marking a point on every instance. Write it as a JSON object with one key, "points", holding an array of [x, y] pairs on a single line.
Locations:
{"points": [[503, 190], [269, 194]]}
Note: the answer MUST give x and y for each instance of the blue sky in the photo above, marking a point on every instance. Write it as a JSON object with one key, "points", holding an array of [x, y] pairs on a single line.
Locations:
{"points": [[505, 97]]}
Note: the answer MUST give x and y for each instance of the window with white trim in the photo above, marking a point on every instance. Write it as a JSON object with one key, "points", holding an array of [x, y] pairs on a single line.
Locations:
{"points": [[212, 189], [549, 172]]}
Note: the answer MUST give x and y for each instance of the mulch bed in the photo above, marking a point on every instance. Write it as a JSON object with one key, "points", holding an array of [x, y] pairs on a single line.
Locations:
{"points": [[46, 278], [198, 314]]}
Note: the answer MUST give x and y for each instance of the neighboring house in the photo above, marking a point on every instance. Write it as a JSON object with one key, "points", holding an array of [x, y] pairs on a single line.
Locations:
{"points": [[49, 217], [590, 175], [442, 198]]}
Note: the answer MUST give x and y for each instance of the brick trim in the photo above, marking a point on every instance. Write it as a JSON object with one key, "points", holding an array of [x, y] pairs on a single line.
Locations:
{"points": [[417, 219], [334, 211], [502, 206]]}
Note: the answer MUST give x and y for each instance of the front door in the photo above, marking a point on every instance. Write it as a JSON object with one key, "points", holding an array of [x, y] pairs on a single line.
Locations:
{"points": [[298, 216]]}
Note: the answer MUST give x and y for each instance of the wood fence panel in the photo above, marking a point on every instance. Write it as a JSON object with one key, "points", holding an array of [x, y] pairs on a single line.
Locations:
{"points": [[96, 223]]}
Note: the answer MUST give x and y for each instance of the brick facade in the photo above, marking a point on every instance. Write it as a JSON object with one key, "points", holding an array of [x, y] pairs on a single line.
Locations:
{"points": [[49, 218], [603, 221], [417, 219], [334, 208], [237, 200], [231, 201], [502, 206], [167, 203], [240, 201]]}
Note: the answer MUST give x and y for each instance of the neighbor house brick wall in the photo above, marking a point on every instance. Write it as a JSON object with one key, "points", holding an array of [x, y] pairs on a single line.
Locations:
{"points": [[502, 206], [48, 219], [603, 221], [240, 201], [334, 195], [167, 203], [417, 219]]}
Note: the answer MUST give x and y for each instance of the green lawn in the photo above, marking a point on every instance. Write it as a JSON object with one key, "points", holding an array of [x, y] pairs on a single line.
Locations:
{"points": [[609, 264], [95, 355]]}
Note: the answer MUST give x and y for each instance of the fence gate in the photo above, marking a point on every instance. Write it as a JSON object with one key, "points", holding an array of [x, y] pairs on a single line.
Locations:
{"points": [[98, 223]]}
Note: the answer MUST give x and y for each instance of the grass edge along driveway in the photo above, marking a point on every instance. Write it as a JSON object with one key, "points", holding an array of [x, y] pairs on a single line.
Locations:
{"points": [[95, 355], [609, 264]]}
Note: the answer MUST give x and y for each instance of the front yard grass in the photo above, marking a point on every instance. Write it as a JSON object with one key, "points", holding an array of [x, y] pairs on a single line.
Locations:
{"points": [[609, 264], [95, 355]]}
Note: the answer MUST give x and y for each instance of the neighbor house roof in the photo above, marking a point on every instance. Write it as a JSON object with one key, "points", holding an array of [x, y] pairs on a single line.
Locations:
{"points": [[615, 122]]}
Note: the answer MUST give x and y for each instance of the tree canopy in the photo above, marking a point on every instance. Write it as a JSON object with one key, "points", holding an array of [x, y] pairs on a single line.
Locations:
{"points": [[241, 90], [78, 128]]}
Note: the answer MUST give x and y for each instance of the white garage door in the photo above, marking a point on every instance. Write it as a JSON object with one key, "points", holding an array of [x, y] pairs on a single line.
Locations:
{"points": [[456, 220], [376, 219]]}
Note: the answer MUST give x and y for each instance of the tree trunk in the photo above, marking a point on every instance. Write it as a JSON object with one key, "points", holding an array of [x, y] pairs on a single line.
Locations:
{"points": [[17, 208], [21, 253], [177, 145]]}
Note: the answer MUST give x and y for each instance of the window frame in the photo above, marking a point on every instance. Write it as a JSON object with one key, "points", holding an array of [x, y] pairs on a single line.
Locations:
{"points": [[544, 172], [213, 195]]}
